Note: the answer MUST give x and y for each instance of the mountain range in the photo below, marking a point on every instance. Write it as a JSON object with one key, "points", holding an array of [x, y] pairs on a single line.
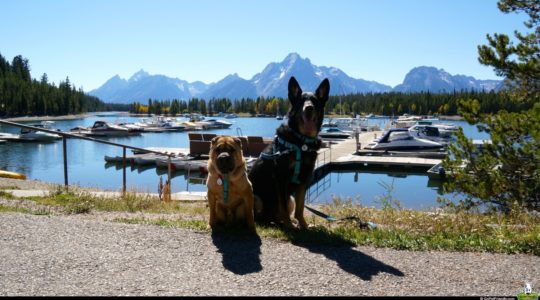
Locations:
{"points": [[272, 81]]}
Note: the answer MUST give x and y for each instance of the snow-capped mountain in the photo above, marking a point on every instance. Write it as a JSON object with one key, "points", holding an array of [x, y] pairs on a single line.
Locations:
{"points": [[439, 81], [273, 80]]}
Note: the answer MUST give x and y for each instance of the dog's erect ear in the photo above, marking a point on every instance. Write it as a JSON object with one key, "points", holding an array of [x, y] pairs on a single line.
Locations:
{"points": [[323, 90], [295, 92]]}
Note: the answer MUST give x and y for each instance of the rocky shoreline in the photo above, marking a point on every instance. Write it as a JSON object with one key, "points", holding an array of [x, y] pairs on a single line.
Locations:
{"points": [[47, 118]]}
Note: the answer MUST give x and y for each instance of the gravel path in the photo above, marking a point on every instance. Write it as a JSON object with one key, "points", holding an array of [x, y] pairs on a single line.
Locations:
{"points": [[70, 255]]}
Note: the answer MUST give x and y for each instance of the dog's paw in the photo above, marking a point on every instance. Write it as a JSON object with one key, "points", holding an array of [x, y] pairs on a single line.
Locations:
{"points": [[303, 224]]}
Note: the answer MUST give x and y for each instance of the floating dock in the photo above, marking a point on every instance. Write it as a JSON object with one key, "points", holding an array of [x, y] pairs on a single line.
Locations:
{"points": [[348, 155]]}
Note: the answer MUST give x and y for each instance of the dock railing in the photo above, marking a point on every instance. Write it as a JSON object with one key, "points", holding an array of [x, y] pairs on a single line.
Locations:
{"points": [[66, 135]]}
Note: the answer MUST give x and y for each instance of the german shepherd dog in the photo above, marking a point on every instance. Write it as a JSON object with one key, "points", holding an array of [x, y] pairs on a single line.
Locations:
{"points": [[285, 167]]}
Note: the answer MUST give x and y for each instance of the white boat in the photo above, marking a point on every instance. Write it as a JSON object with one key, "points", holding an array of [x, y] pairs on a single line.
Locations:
{"points": [[131, 126], [400, 139], [103, 128], [350, 124], [38, 136], [445, 130], [172, 126], [231, 116], [334, 132], [216, 124], [432, 133]]}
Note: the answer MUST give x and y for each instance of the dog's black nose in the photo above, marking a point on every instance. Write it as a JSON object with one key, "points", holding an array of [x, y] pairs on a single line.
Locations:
{"points": [[225, 162]]}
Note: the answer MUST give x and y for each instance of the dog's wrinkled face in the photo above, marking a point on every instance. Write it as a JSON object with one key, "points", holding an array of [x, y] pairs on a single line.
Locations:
{"points": [[226, 153], [307, 109]]}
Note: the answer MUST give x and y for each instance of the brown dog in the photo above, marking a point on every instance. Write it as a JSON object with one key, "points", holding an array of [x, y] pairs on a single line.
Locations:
{"points": [[230, 195]]}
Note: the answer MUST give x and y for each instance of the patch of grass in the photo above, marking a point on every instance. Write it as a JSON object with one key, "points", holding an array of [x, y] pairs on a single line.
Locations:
{"points": [[9, 187], [6, 195], [76, 201], [5, 208], [440, 230], [188, 224]]}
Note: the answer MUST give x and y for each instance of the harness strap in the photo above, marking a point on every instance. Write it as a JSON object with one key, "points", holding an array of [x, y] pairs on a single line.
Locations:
{"points": [[298, 158], [309, 144], [225, 182]]}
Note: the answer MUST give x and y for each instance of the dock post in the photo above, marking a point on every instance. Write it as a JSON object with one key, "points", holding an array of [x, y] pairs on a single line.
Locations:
{"points": [[123, 171], [357, 137], [64, 148]]}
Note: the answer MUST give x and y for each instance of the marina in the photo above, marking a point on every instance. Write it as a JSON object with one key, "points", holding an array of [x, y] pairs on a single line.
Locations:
{"points": [[91, 164]]}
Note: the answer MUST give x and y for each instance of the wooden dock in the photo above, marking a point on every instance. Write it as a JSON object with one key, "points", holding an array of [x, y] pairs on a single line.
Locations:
{"points": [[348, 153]]}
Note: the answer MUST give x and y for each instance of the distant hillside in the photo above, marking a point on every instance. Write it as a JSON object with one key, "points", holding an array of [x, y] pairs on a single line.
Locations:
{"points": [[272, 81]]}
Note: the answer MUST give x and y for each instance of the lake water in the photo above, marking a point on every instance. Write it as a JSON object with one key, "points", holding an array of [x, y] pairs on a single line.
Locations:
{"points": [[87, 167]]}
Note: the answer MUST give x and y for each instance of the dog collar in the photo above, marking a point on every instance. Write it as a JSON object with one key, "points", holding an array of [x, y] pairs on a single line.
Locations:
{"points": [[225, 181], [305, 139]]}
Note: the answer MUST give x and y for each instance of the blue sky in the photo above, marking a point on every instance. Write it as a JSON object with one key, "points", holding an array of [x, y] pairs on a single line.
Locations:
{"points": [[90, 41]]}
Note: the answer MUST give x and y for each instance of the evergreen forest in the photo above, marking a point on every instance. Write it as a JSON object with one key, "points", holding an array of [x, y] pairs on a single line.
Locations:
{"points": [[21, 95]]}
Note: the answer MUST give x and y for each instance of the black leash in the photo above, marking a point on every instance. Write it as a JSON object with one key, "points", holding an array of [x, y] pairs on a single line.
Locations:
{"points": [[361, 223]]}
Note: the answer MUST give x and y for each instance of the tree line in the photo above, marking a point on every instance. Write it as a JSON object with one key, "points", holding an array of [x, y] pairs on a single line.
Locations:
{"points": [[20, 95], [393, 103]]}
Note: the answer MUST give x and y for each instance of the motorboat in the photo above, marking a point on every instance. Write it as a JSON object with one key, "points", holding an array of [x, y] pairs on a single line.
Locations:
{"points": [[103, 128], [350, 124], [445, 130], [405, 121], [432, 133], [38, 136], [400, 139], [215, 124], [172, 126], [231, 116], [334, 132], [438, 171], [131, 126]]}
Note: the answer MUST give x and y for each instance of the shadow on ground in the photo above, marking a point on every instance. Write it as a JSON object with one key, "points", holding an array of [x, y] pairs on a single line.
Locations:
{"points": [[340, 250], [240, 251]]}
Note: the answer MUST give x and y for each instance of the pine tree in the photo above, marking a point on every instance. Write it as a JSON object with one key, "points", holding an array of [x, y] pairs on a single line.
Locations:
{"points": [[505, 175]]}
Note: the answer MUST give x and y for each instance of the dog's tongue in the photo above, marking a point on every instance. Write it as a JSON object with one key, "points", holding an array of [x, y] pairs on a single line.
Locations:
{"points": [[309, 125]]}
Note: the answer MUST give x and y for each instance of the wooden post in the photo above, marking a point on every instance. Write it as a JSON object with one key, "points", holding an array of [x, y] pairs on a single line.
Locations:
{"points": [[123, 171], [64, 148], [357, 137]]}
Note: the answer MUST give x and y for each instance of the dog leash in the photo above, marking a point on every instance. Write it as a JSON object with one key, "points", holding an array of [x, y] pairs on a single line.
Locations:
{"points": [[361, 223]]}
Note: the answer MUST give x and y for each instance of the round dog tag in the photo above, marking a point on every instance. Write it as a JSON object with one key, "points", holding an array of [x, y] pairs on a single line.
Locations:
{"points": [[304, 147], [219, 181]]}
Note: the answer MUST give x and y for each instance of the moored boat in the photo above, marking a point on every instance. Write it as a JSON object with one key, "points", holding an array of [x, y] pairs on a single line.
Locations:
{"points": [[103, 128], [12, 175], [400, 139], [38, 136], [334, 132]]}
